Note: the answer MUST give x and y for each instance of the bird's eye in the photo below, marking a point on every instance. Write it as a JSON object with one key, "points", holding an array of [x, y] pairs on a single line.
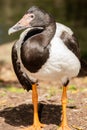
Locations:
{"points": [[32, 16]]}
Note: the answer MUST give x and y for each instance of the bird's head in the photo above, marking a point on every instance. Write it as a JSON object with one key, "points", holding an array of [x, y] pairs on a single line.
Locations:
{"points": [[34, 17]]}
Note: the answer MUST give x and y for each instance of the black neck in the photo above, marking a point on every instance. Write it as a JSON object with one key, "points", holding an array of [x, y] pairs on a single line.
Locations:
{"points": [[35, 50], [31, 33], [47, 32]]}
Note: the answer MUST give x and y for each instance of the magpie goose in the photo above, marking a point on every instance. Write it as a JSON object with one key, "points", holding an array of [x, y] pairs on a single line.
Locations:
{"points": [[48, 50]]}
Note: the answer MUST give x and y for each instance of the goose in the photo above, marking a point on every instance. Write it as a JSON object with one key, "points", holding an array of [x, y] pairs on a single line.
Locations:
{"points": [[46, 50]]}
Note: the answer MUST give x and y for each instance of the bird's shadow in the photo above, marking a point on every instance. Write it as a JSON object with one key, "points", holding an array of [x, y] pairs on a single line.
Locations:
{"points": [[23, 114]]}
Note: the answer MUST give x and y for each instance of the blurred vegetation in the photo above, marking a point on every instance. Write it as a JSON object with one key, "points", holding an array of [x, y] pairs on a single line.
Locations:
{"points": [[52, 92], [72, 13], [14, 89]]}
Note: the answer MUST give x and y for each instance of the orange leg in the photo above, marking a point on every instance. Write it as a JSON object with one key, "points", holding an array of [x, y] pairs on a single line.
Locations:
{"points": [[64, 125], [36, 125]]}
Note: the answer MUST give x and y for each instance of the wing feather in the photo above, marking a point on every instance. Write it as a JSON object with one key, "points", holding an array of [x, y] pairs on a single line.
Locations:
{"points": [[71, 42]]}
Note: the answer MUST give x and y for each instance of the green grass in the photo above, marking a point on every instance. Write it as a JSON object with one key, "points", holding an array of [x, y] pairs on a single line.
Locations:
{"points": [[14, 89], [52, 91], [72, 88], [83, 89], [71, 101], [2, 94]]}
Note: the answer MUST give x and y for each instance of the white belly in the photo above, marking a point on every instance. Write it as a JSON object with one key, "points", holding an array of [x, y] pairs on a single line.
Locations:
{"points": [[62, 63]]}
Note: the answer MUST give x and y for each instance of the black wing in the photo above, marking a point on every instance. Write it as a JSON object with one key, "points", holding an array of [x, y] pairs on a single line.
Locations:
{"points": [[71, 42], [23, 78]]}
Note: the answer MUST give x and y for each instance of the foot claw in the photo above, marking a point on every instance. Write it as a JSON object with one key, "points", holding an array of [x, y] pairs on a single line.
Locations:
{"points": [[35, 127]]}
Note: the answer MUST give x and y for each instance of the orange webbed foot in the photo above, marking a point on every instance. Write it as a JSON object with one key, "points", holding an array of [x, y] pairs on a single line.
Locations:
{"points": [[64, 128], [39, 126]]}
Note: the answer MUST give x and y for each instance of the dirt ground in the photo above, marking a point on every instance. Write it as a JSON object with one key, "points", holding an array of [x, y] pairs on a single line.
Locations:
{"points": [[16, 109]]}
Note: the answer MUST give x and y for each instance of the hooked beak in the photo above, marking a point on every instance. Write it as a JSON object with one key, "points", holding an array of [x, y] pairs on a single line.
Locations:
{"points": [[22, 24]]}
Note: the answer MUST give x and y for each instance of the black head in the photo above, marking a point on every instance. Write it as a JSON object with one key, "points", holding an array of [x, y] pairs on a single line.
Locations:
{"points": [[41, 18], [34, 17]]}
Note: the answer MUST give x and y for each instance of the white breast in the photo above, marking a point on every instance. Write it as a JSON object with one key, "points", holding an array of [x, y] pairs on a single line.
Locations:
{"points": [[62, 63]]}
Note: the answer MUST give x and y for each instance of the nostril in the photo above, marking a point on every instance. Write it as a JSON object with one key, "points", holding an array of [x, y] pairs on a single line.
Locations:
{"points": [[17, 27]]}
